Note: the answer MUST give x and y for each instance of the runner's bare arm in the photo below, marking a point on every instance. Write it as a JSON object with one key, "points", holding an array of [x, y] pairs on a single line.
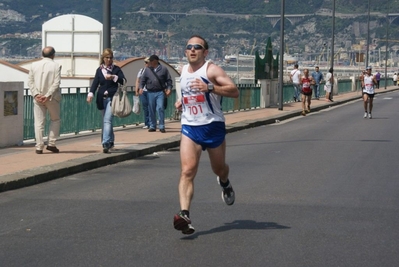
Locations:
{"points": [[223, 85], [374, 80]]}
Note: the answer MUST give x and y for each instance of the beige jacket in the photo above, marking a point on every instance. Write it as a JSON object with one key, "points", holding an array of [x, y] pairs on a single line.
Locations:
{"points": [[45, 78]]}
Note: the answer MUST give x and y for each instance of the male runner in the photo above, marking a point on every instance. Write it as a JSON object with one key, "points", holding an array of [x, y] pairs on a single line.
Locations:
{"points": [[203, 84]]}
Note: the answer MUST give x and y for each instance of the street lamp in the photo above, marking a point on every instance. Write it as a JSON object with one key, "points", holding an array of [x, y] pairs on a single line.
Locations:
{"points": [[280, 92], [106, 24], [386, 50], [368, 35], [332, 49]]}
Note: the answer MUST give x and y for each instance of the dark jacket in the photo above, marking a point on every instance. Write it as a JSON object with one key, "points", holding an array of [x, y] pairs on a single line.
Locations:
{"points": [[106, 85], [150, 81]]}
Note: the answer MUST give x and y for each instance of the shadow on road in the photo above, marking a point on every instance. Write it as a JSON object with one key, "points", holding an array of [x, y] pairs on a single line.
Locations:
{"points": [[239, 225]]}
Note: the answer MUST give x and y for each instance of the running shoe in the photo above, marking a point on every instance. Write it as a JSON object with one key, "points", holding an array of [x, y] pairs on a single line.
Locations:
{"points": [[365, 115], [182, 223], [228, 194], [370, 117], [303, 113]]}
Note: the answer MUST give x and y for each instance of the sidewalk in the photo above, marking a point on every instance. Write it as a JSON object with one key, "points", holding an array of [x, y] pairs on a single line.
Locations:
{"points": [[21, 166]]}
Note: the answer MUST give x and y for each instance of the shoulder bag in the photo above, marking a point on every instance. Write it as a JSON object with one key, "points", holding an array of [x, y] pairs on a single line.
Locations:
{"points": [[121, 106]]}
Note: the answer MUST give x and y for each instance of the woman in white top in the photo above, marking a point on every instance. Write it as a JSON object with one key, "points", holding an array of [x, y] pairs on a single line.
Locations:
{"points": [[328, 85]]}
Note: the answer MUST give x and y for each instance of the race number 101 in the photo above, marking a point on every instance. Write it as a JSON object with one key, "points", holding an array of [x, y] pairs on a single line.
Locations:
{"points": [[195, 109]]}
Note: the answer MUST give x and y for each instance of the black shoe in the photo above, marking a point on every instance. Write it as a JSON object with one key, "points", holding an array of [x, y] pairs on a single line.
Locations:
{"points": [[162, 130], [151, 130], [53, 149], [182, 223], [105, 150], [294, 99], [39, 151], [228, 194]]}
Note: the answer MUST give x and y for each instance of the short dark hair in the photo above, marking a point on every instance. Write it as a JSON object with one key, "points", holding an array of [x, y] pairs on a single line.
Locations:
{"points": [[153, 57], [296, 65], [202, 38]]}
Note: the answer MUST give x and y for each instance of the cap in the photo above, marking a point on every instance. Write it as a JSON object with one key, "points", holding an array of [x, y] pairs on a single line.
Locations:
{"points": [[153, 57], [147, 59], [368, 68]]}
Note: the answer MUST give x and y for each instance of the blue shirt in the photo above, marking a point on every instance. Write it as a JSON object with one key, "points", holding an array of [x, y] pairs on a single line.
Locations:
{"points": [[317, 76]]}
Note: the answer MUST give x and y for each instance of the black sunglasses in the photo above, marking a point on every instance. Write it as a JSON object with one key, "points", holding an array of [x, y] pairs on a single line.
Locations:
{"points": [[196, 46]]}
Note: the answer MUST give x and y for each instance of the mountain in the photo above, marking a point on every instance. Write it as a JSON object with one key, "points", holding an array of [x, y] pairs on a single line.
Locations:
{"points": [[166, 34]]}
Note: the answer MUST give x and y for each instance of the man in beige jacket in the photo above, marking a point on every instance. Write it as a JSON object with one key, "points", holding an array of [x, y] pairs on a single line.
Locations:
{"points": [[44, 84]]}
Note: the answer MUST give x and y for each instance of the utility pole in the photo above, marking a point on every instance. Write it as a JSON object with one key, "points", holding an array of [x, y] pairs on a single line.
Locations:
{"points": [[368, 35], [332, 49], [106, 24], [281, 64]]}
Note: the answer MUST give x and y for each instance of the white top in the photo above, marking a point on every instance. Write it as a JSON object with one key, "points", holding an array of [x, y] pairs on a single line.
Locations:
{"points": [[368, 84], [328, 77], [141, 71], [199, 108], [296, 75]]}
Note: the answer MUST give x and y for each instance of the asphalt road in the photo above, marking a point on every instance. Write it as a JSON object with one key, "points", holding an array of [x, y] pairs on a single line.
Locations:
{"points": [[320, 190]]}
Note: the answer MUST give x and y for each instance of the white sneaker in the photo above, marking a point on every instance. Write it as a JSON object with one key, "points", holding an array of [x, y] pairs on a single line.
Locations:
{"points": [[370, 116], [365, 115], [145, 127], [228, 194]]}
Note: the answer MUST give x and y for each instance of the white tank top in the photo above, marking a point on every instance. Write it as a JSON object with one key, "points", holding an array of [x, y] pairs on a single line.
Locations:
{"points": [[368, 84], [199, 108]]}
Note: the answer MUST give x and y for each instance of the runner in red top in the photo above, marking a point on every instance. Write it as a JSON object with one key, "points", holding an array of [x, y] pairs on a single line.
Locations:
{"points": [[306, 82]]}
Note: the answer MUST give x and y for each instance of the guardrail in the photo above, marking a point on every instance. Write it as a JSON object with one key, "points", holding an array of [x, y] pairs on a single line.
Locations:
{"points": [[78, 116]]}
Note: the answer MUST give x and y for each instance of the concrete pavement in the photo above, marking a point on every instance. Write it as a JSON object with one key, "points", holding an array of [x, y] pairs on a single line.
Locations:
{"points": [[20, 166]]}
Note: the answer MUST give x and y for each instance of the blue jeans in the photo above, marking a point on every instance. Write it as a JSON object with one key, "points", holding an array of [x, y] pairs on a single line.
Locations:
{"points": [[108, 137], [144, 104], [155, 105], [297, 91], [316, 90]]}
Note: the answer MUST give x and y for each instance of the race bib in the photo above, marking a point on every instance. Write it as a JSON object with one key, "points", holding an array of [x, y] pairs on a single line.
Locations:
{"points": [[196, 106], [368, 87]]}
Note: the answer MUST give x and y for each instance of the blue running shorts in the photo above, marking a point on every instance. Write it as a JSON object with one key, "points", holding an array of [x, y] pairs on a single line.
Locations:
{"points": [[208, 136]]}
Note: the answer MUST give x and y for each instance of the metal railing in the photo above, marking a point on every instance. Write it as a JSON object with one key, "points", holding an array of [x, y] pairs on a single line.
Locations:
{"points": [[78, 116]]}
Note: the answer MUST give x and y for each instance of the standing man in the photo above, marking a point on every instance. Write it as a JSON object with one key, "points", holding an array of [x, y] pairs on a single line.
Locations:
{"points": [[378, 78], [318, 78], [295, 77], [143, 95], [44, 84], [157, 80], [203, 84], [368, 83], [395, 79]]}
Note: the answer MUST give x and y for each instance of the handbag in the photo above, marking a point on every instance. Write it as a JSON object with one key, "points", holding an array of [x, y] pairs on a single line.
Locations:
{"points": [[165, 101], [136, 104], [165, 98], [121, 106]]}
